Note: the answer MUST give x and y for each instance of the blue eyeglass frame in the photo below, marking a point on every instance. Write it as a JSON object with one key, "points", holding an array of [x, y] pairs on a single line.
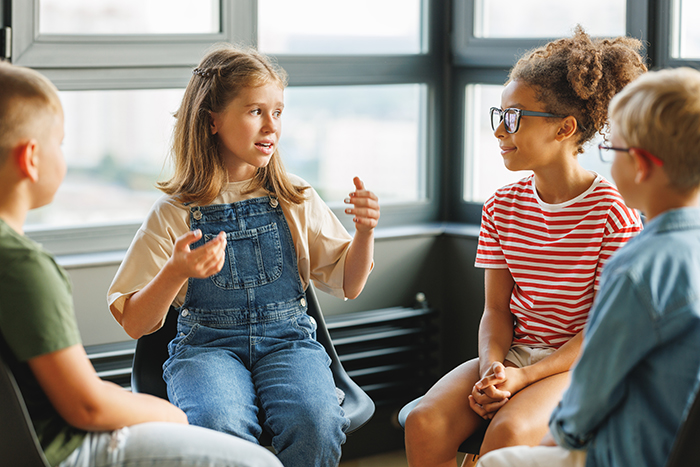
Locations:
{"points": [[519, 113]]}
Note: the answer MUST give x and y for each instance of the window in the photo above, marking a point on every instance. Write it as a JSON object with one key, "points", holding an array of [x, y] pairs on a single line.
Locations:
{"points": [[128, 17], [331, 134], [364, 96], [493, 32], [57, 34], [547, 18], [116, 147], [364, 27], [685, 36]]}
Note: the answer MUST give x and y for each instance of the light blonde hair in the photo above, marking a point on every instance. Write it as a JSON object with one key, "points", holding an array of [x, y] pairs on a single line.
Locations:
{"points": [[26, 98], [200, 174], [660, 112]]}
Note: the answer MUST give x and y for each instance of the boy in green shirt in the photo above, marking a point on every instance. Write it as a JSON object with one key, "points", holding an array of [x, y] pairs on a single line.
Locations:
{"points": [[79, 419]]}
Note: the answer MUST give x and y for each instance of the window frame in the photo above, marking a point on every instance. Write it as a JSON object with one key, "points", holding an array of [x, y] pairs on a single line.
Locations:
{"points": [[501, 52], [152, 62], [665, 28], [32, 49]]}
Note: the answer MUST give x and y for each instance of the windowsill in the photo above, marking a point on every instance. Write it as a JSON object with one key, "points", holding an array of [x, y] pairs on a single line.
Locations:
{"points": [[432, 229]]}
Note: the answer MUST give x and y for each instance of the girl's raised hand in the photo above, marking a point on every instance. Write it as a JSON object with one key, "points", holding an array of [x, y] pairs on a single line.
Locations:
{"points": [[365, 207], [201, 262]]}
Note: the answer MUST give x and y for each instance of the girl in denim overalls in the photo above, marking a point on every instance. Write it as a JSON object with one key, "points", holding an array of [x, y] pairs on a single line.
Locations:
{"points": [[233, 245]]}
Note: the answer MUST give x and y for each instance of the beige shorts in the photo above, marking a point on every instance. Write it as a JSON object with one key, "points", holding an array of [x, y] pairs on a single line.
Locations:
{"points": [[523, 355], [538, 456]]}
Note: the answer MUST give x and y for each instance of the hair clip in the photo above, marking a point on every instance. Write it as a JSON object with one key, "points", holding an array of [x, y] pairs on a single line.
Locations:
{"points": [[203, 72]]}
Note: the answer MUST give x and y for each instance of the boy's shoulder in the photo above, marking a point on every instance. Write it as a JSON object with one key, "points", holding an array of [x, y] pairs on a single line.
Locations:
{"points": [[667, 245], [27, 262], [15, 247]]}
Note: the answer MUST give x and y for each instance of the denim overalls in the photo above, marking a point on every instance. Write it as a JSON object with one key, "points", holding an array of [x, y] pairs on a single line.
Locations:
{"points": [[245, 341]]}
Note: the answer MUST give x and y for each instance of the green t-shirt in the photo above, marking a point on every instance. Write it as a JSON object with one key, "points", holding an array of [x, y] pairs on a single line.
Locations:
{"points": [[36, 318]]}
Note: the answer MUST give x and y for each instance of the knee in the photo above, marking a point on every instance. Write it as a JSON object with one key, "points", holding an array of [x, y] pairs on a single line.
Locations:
{"points": [[225, 422], [423, 421], [325, 424], [321, 426], [308, 437], [507, 431]]}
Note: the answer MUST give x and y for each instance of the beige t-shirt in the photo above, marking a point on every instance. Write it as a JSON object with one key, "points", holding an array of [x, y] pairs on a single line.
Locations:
{"points": [[320, 240]]}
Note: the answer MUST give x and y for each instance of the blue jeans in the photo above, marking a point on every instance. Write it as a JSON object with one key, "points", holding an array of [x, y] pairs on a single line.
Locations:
{"points": [[221, 377], [167, 445]]}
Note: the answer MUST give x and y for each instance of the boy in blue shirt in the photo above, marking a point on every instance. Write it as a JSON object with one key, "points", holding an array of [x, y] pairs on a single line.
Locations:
{"points": [[639, 369]]}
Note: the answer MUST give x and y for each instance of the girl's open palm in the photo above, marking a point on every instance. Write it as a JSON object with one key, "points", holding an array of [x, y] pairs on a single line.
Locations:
{"points": [[200, 262]]}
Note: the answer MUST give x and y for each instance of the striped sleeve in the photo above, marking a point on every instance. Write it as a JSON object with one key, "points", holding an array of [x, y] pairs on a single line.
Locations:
{"points": [[489, 253]]}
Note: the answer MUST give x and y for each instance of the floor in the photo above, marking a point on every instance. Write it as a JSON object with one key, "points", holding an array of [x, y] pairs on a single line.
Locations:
{"points": [[389, 459]]}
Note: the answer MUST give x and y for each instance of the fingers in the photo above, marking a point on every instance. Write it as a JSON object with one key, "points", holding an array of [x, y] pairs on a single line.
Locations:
{"points": [[211, 255], [486, 410], [184, 241], [358, 183], [365, 206], [489, 384], [497, 375], [203, 261]]}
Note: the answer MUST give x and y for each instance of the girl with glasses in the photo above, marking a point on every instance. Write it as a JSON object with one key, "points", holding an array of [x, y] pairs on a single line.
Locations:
{"points": [[543, 243]]}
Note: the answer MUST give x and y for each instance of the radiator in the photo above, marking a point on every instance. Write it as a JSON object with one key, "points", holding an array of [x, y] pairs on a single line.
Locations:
{"points": [[392, 353]]}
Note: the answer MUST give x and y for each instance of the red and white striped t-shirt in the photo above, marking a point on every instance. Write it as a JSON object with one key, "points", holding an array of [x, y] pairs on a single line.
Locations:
{"points": [[555, 253]]}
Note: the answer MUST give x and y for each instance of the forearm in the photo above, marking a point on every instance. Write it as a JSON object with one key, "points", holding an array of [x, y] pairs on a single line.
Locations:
{"points": [[358, 263], [144, 310], [113, 408], [559, 361], [495, 338], [85, 401]]}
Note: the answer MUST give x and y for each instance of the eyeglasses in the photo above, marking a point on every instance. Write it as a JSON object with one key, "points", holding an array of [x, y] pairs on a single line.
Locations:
{"points": [[511, 117], [606, 154]]}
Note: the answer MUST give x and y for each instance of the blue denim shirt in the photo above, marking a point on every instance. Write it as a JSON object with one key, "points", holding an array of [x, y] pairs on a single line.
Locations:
{"points": [[639, 367]]}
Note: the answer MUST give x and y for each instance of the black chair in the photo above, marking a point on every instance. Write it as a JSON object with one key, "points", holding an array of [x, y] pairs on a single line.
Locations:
{"points": [[471, 445], [152, 351], [19, 445], [686, 449]]}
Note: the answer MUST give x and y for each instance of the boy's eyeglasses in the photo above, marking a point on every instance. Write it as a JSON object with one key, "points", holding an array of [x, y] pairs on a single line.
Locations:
{"points": [[607, 154], [511, 117]]}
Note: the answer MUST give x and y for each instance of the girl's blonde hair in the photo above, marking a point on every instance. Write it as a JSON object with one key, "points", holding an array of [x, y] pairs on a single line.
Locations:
{"points": [[200, 174], [660, 112]]}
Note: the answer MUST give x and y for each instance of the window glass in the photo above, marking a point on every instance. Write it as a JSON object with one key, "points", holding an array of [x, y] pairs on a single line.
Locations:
{"points": [[484, 171], [687, 33], [128, 16], [547, 18], [116, 145], [330, 134], [331, 27]]}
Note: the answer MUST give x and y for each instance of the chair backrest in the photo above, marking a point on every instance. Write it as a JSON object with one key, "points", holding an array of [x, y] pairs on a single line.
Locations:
{"points": [[152, 351], [686, 448], [19, 445]]}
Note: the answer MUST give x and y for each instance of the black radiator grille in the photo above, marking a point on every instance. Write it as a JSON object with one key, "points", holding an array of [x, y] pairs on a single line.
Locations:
{"points": [[391, 353]]}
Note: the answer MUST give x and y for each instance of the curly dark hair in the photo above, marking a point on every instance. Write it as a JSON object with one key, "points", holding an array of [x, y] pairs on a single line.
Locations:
{"points": [[578, 76]]}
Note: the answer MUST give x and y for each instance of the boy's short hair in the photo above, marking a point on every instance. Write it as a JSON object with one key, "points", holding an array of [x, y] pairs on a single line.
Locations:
{"points": [[660, 112], [26, 96]]}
